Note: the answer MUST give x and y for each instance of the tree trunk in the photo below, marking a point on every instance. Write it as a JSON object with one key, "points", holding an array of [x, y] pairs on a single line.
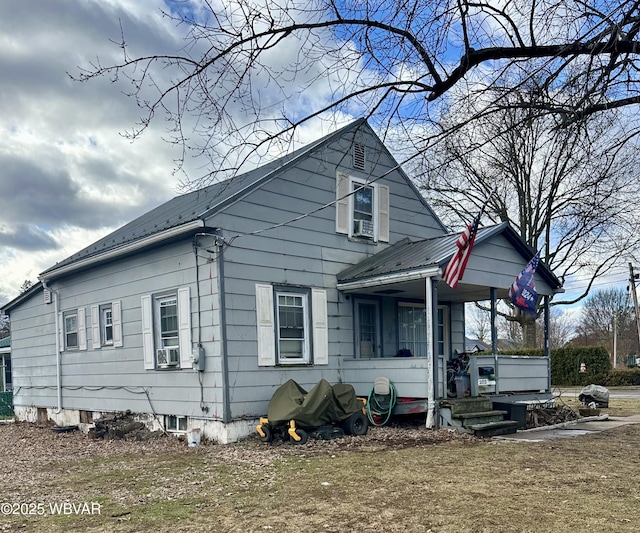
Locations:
{"points": [[528, 331]]}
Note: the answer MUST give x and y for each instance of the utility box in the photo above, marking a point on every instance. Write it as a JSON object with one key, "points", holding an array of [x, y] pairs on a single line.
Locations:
{"points": [[483, 376]]}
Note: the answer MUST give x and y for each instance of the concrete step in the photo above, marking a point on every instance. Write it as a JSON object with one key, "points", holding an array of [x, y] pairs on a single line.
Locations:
{"points": [[491, 429], [483, 417], [468, 405]]}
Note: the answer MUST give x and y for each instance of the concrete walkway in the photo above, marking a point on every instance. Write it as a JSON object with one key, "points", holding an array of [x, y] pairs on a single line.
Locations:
{"points": [[584, 426]]}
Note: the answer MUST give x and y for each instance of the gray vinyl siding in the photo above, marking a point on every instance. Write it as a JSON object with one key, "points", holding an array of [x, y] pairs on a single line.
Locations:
{"points": [[456, 311], [33, 356], [114, 379], [307, 252], [481, 266]]}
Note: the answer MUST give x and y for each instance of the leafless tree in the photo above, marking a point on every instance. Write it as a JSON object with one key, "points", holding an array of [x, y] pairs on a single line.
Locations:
{"points": [[251, 72], [4, 320], [478, 323], [602, 311], [566, 188]]}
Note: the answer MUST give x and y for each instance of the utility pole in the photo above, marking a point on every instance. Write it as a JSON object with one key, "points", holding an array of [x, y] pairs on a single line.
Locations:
{"points": [[632, 282], [615, 339]]}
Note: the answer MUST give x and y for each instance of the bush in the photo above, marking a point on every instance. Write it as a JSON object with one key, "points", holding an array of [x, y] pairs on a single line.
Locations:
{"points": [[565, 365], [619, 378]]}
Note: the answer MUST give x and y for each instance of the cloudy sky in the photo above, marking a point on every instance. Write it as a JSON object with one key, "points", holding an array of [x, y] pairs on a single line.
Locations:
{"points": [[67, 176]]}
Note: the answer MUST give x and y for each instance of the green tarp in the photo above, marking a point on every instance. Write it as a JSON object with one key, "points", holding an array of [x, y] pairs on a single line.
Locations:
{"points": [[6, 404], [323, 404]]}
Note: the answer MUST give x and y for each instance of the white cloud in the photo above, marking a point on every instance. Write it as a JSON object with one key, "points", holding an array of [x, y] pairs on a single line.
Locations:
{"points": [[67, 175]]}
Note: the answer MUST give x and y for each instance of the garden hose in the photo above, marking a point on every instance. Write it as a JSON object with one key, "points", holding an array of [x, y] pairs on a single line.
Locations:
{"points": [[381, 405]]}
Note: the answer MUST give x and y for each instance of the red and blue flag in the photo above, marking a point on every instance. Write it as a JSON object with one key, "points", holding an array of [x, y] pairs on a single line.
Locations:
{"points": [[523, 290]]}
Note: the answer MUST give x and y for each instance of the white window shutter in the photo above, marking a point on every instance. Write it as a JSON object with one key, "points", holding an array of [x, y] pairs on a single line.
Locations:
{"points": [[266, 325], [147, 332], [116, 322], [95, 327], [383, 213], [320, 327], [61, 332], [184, 327], [343, 216], [82, 329]]}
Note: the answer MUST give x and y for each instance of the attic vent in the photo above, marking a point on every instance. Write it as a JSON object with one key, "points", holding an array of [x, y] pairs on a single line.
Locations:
{"points": [[358, 156]]}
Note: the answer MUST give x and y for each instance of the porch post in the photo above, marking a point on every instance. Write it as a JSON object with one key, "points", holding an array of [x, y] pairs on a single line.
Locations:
{"points": [[431, 384], [494, 335], [547, 340], [436, 358]]}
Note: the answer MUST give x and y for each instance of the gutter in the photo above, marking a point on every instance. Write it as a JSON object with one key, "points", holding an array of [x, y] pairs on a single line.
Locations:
{"points": [[125, 249], [386, 279]]}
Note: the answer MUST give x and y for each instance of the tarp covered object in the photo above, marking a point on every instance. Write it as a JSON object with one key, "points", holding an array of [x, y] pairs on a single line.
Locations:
{"points": [[596, 394], [323, 404]]}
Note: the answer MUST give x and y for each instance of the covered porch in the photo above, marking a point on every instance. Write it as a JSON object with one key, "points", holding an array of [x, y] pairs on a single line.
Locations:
{"points": [[409, 326]]}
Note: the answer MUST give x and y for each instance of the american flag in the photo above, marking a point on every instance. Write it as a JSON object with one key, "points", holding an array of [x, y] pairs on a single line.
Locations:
{"points": [[455, 269], [523, 290]]}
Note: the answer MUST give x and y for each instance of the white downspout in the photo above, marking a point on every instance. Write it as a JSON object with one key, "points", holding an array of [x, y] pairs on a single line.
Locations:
{"points": [[57, 333], [431, 386]]}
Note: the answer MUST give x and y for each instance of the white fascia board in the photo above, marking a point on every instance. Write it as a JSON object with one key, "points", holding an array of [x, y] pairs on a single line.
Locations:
{"points": [[122, 250], [388, 279]]}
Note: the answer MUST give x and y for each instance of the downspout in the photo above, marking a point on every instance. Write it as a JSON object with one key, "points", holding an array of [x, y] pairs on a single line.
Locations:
{"points": [[226, 404], [56, 310], [431, 405]]}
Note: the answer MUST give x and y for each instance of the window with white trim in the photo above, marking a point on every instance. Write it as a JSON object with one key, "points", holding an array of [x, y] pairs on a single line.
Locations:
{"points": [[175, 424], [106, 325], [71, 330], [412, 328], [291, 325], [362, 208], [72, 333], [166, 329]]}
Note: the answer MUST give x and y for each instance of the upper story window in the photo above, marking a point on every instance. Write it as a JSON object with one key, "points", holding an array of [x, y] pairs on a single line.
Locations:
{"points": [[362, 208]]}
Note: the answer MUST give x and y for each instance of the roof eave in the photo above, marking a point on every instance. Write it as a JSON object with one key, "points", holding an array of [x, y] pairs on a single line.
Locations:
{"points": [[385, 279], [115, 253]]}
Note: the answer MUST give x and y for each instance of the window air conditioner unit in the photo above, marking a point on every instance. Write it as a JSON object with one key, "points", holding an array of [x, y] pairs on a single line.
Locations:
{"points": [[363, 228], [167, 357]]}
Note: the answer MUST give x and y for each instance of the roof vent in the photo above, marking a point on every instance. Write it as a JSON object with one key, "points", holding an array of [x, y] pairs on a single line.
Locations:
{"points": [[359, 156]]}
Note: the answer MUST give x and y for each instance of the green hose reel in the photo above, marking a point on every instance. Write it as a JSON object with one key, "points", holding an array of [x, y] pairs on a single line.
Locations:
{"points": [[381, 401]]}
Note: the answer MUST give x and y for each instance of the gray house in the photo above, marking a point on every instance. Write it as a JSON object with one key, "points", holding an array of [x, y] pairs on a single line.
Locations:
{"points": [[323, 264]]}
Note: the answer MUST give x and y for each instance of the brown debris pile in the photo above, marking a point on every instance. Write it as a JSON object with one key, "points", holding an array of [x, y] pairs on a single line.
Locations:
{"points": [[122, 426], [550, 416]]}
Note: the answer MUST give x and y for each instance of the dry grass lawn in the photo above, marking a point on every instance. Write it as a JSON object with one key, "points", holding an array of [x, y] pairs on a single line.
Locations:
{"points": [[393, 480]]}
